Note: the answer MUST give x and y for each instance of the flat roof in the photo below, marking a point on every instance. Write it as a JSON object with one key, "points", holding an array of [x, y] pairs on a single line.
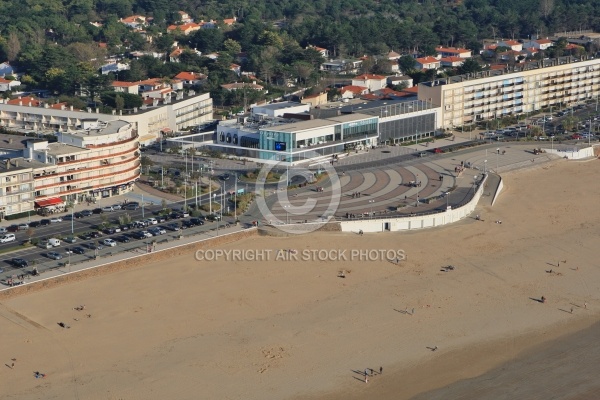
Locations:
{"points": [[13, 142], [104, 129], [316, 123], [61, 149], [527, 66], [279, 106], [23, 164]]}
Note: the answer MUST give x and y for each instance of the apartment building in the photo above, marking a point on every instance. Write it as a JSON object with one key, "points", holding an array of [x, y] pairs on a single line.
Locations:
{"points": [[525, 88], [172, 114], [16, 187], [96, 161]]}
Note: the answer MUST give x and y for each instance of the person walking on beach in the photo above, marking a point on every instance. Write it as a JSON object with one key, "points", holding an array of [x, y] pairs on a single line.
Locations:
{"points": [[571, 310], [585, 305], [380, 370]]}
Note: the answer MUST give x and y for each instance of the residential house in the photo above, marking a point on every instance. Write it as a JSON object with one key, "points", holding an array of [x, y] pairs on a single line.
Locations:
{"points": [[342, 66], [511, 44], [370, 81], [427, 63], [186, 29], [452, 62], [7, 85], [393, 58], [511, 55], [125, 87], [113, 67], [191, 78], [399, 80], [531, 51], [315, 100], [352, 91], [538, 44], [444, 52], [138, 54], [324, 52], [6, 69], [174, 55], [134, 21], [229, 21], [212, 24], [185, 17], [242, 85], [163, 94], [151, 84], [236, 68]]}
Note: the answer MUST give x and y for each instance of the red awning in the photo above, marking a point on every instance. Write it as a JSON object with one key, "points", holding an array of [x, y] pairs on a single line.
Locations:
{"points": [[49, 202]]}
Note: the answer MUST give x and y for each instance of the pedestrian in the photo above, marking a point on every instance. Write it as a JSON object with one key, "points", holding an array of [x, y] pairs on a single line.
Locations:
{"points": [[366, 379], [585, 305], [434, 349], [380, 370], [571, 310], [558, 264], [12, 365], [413, 312], [366, 371]]}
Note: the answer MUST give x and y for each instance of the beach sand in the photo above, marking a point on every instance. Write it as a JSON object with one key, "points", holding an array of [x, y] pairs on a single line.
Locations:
{"points": [[293, 329]]}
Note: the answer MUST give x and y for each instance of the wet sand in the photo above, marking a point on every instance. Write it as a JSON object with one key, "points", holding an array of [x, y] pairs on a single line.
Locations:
{"points": [[292, 329]]}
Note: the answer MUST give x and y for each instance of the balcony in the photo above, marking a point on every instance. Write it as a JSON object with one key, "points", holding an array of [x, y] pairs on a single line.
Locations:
{"points": [[97, 146], [90, 178]]}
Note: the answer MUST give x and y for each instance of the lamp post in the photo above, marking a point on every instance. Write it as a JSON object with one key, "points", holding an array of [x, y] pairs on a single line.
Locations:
{"points": [[552, 142], [371, 208], [484, 166], [418, 190], [287, 214], [447, 205], [142, 205], [235, 199]]}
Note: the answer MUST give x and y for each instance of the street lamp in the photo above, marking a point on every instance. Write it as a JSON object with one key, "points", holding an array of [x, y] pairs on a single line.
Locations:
{"points": [[447, 205], [484, 166], [552, 143], [287, 214], [418, 189], [371, 211]]}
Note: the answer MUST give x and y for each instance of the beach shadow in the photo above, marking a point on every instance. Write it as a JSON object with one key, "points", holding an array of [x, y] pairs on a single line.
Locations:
{"points": [[567, 311], [534, 299], [552, 265], [402, 311], [359, 379], [8, 366], [575, 305], [357, 372], [432, 348]]}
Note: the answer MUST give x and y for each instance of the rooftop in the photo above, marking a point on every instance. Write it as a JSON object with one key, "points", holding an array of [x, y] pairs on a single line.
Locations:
{"points": [[317, 123], [388, 108], [61, 149], [527, 66], [279, 106], [13, 142]]}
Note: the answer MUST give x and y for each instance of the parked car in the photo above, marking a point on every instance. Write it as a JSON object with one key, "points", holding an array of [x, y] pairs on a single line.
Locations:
{"points": [[23, 227], [87, 213], [85, 236], [54, 255], [116, 207], [123, 239], [152, 221], [576, 136], [187, 224], [147, 234], [3, 230], [131, 206], [19, 262], [94, 246], [197, 221], [138, 235], [70, 239], [96, 234], [107, 209], [13, 228], [173, 227], [78, 215], [54, 220], [97, 210], [157, 230], [9, 237], [112, 231], [78, 250], [109, 242], [34, 224]]}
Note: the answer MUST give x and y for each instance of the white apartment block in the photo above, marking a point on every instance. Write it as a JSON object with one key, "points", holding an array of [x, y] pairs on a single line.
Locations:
{"points": [[148, 121], [97, 161], [529, 88], [16, 187]]}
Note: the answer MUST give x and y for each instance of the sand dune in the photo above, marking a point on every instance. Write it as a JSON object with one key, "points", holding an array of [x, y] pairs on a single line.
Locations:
{"points": [[191, 329]]}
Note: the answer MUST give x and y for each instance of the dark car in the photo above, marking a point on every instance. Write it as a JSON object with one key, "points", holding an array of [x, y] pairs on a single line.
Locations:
{"points": [[34, 224], [161, 218], [87, 213], [98, 211], [19, 262], [138, 235], [96, 234], [225, 177], [197, 221], [187, 224], [94, 246], [123, 239], [110, 231], [125, 227], [85, 236], [78, 250], [131, 206], [172, 227], [175, 215], [78, 215], [13, 228], [45, 222]]}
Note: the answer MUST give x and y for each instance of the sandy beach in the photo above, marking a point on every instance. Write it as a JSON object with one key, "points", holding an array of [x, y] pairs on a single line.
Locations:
{"points": [[293, 329]]}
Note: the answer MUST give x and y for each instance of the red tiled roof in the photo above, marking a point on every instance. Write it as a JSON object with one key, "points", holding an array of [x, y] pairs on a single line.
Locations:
{"points": [[497, 67], [26, 101], [544, 41], [353, 88], [456, 50], [414, 90], [123, 84], [452, 59], [190, 76], [365, 77], [427, 60]]}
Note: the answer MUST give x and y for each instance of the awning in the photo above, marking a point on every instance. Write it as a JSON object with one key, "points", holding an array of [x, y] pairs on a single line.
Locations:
{"points": [[49, 202]]}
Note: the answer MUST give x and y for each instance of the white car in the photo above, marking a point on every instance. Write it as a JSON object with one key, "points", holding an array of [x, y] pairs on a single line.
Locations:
{"points": [[55, 219], [108, 209], [147, 234], [116, 207], [9, 237], [3, 230], [109, 242], [152, 221]]}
